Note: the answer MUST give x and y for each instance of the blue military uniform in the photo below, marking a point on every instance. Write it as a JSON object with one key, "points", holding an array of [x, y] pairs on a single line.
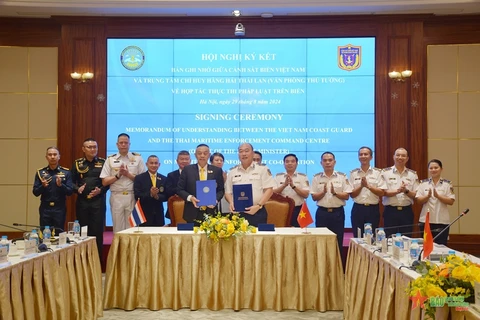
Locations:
{"points": [[52, 201]]}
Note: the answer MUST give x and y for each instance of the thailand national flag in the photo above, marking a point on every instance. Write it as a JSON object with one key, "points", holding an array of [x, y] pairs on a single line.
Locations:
{"points": [[137, 217]]}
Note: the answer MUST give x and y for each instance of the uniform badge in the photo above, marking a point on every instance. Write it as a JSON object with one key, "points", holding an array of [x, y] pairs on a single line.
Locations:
{"points": [[269, 172], [349, 57], [209, 171], [161, 189]]}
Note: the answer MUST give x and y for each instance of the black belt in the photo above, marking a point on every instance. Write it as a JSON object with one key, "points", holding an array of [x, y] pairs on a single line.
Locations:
{"points": [[53, 203], [399, 208], [366, 204], [330, 209]]}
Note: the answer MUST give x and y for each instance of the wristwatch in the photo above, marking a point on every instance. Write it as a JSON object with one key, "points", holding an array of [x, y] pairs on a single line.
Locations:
{"points": [[260, 205], [116, 176], [406, 191], [294, 187]]}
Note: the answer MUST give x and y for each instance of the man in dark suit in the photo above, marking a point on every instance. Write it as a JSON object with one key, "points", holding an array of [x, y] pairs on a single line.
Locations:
{"points": [[187, 185], [183, 159], [149, 187]]}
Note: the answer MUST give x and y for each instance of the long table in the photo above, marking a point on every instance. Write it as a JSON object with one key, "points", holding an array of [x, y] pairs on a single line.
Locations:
{"points": [[163, 268], [375, 288], [63, 284]]}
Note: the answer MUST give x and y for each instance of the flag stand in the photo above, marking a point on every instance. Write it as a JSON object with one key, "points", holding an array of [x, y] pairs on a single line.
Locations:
{"points": [[305, 231], [138, 230]]}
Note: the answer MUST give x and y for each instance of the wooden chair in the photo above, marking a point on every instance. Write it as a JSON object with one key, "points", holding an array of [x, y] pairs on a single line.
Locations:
{"points": [[175, 207], [279, 210]]}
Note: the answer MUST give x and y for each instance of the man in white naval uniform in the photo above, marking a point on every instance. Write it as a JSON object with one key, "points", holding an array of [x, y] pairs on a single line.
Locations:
{"points": [[118, 172]]}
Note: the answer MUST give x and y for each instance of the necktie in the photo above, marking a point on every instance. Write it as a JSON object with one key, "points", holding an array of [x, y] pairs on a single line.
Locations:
{"points": [[202, 174], [154, 180]]}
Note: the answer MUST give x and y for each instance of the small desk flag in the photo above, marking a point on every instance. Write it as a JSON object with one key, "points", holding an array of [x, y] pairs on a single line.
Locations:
{"points": [[137, 217], [304, 217], [427, 237]]}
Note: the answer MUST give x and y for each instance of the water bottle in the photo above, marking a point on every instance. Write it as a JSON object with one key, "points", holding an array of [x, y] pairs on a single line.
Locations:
{"points": [[76, 230], [34, 236], [4, 243], [414, 250], [367, 227], [399, 240], [47, 235], [380, 236]]}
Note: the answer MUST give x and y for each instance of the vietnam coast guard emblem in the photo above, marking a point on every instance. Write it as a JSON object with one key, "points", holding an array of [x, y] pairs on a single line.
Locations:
{"points": [[132, 58], [349, 57]]}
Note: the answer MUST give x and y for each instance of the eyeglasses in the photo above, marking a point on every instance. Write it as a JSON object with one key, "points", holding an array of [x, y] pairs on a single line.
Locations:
{"points": [[90, 147]]}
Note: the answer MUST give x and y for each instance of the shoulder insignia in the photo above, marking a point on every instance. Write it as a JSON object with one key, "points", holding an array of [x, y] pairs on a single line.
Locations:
{"points": [[100, 158], [42, 168], [451, 190], [136, 154], [80, 160], [64, 168], [356, 169], [447, 181], [377, 169], [410, 170], [280, 174], [343, 174], [269, 172], [424, 180], [317, 174], [233, 167], [112, 155], [301, 174], [387, 169], [261, 164]]}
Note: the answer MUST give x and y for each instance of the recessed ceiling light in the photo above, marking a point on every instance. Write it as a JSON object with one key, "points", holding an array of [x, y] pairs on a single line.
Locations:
{"points": [[236, 13], [266, 15]]}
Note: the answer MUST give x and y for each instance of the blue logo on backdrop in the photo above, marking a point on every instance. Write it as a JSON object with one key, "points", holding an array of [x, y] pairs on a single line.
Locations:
{"points": [[349, 57], [132, 58]]}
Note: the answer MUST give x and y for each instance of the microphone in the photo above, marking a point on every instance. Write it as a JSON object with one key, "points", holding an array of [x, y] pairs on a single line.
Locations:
{"points": [[404, 226], [464, 212], [18, 229]]}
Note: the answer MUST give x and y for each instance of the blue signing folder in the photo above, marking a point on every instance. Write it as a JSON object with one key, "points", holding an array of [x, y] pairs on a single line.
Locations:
{"points": [[242, 196], [206, 192]]}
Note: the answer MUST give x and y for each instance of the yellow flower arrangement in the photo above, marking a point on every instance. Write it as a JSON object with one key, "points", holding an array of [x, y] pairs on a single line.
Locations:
{"points": [[451, 281], [221, 227]]}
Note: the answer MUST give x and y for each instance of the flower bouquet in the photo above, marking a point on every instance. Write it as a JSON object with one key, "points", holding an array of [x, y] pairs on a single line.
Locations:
{"points": [[223, 227], [451, 282]]}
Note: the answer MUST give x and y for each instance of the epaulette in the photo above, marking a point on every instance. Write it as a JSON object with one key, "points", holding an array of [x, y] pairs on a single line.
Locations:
{"points": [[387, 169], [80, 160], [280, 174], [378, 169], [136, 154], [112, 155], [424, 180], [412, 171], [42, 168], [233, 168], [448, 181], [64, 168], [301, 174], [343, 174], [100, 158], [261, 164], [356, 169], [317, 174]]}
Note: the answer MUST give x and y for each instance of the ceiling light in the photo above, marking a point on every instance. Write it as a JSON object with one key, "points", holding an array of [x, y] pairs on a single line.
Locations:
{"points": [[236, 13]]}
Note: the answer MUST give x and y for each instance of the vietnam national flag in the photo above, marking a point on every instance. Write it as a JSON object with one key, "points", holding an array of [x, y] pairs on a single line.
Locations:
{"points": [[137, 217], [427, 237], [304, 217]]}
